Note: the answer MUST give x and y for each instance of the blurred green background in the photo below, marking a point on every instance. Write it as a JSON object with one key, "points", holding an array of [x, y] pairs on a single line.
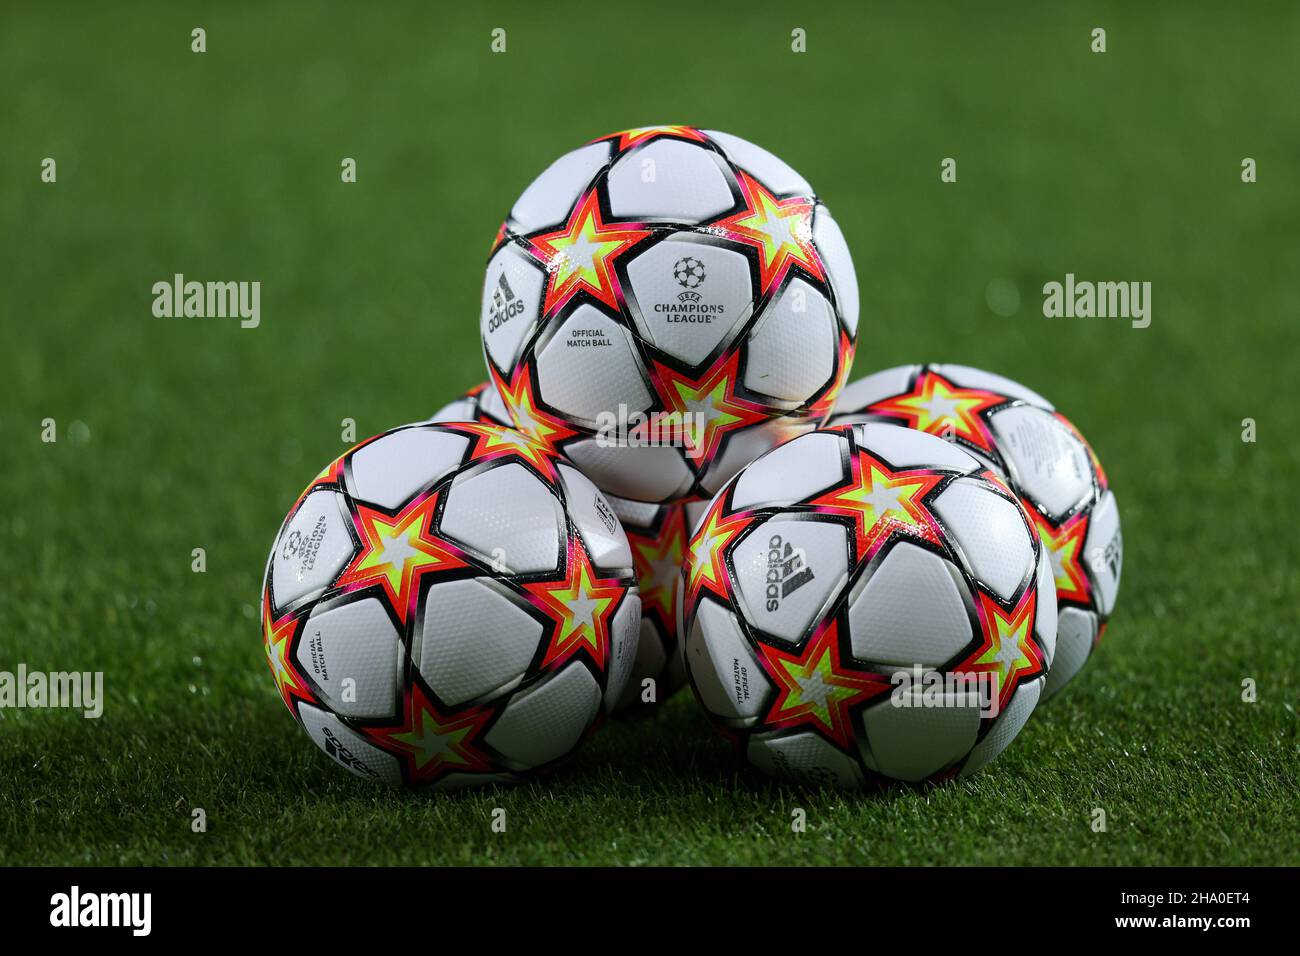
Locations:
{"points": [[185, 433]]}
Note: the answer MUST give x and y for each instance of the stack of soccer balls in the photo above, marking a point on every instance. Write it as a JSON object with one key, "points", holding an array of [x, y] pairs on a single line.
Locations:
{"points": [[664, 480]]}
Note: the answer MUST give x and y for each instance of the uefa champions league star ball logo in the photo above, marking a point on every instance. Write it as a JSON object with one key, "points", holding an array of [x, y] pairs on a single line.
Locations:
{"points": [[689, 273]]}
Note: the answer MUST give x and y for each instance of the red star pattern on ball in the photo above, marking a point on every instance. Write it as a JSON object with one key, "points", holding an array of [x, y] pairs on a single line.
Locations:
{"points": [[398, 551], [883, 503], [780, 229], [529, 417], [581, 607], [706, 564], [580, 257], [493, 442], [329, 476], [1064, 546], [277, 641], [937, 406], [814, 687], [699, 412], [643, 134], [1008, 652], [657, 559], [434, 743]]}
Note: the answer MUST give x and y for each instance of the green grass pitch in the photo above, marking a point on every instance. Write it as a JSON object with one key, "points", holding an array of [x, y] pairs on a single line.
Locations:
{"points": [[178, 434]]}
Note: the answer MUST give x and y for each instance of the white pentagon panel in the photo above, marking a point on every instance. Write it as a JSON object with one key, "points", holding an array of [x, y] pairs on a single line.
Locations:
{"points": [[643, 472], [1103, 553], [460, 410], [907, 448], [1045, 616], [474, 641], [389, 471], [491, 404], [990, 533], [596, 520], [512, 298], [745, 445], [770, 170], [791, 472], [668, 179], [1076, 631], [909, 611], [1046, 462], [551, 195], [806, 758], [789, 571], [624, 636], [635, 515], [1005, 728], [912, 743], [792, 350], [311, 549], [589, 368], [689, 296], [547, 720], [507, 516], [856, 396], [353, 642], [349, 748], [967, 377], [834, 252], [728, 677]]}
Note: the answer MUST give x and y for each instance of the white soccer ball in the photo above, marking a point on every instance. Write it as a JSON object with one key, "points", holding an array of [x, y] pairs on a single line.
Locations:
{"points": [[865, 604], [1047, 463], [449, 605], [665, 304]]}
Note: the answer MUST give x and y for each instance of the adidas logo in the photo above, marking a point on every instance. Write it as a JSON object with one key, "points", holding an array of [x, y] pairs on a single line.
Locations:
{"points": [[334, 747], [787, 571], [504, 306]]}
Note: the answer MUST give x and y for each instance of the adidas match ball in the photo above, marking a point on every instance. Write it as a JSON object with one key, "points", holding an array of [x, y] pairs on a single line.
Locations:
{"points": [[664, 305], [1044, 459], [482, 404], [449, 605], [865, 604], [657, 535]]}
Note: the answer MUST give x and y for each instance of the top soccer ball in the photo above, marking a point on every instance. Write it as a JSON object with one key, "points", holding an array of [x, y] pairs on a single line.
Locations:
{"points": [[1046, 462], [664, 305]]}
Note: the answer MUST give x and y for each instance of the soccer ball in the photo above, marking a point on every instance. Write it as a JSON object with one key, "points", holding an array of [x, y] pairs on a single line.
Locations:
{"points": [[1044, 459], [665, 304], [867, 603], [448, 605], [657, 535], [482, 403]]}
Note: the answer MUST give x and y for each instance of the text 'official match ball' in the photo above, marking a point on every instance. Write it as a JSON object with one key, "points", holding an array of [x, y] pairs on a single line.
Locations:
{"points": [[1044, 459], [450, 604], [867, 603], [665, 304]]}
